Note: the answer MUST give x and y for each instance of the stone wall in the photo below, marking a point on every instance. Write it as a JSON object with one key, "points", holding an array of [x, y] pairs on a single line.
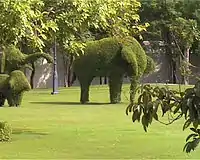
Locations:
{"points": [[43, 75]]}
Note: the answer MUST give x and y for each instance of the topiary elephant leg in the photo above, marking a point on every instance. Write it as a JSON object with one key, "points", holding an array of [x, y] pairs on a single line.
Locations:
{"points": [[18, 99], [2, 99], [85, 84], [10, 100], [133, 87], [115, 87], [15, 100]]}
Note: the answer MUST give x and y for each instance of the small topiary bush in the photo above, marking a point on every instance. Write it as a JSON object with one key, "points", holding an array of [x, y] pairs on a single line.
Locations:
{"points": [[5, 131], [12, 87]]}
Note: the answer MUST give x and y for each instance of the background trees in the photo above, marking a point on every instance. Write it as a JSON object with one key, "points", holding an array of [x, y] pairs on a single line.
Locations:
{"points": [[26, 25], [176, 23], [80, 20]]}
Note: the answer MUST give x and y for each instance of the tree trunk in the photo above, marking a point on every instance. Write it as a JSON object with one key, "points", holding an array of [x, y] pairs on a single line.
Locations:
{"points": [[65, 63], [169, 53], [70, 71], [105, 80], [100, 80], [32, 75], [186, 66]]}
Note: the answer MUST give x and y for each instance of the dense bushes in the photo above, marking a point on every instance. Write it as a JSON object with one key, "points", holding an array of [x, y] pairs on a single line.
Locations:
{"points": [[112, 57], [5, 131]]}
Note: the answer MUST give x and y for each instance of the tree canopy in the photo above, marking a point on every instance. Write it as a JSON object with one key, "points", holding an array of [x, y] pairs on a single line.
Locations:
{"points": [[24, 20], [80, 20]]}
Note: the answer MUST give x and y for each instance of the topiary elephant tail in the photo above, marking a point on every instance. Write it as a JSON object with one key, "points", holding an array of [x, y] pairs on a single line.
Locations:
{"points": [[150, 65]]}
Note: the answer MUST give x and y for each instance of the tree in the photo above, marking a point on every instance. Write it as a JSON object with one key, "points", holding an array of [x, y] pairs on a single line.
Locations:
{"points": [[165, 17], [80, 20], [185, 32], [27, 25], [23, 20]]}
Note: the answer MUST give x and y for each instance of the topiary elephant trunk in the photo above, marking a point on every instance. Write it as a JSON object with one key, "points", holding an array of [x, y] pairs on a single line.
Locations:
{"points": [[35, 56], [112, 57], [13, 59]]}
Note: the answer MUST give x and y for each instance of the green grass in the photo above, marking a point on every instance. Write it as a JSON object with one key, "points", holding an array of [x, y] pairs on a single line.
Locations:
{"points": [[57, 127]]}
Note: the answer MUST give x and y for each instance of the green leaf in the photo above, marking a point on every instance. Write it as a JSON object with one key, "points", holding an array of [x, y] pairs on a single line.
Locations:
{"points": [[195, 124], [190, 136], [140, 99], [150, 118], [191, 145], [129, 109], [187, 147], [139, 114], [193, 129], [187, 124], [135, 115], [155, 116], [144, 123], [177, 109]]}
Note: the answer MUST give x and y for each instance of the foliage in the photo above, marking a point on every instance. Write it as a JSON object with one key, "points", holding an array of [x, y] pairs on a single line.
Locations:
{"points": [[80, 20], [185, 104], [112, 57], [185, 31], [5, 131], [24, 20], [12, 87], [176, 23]]}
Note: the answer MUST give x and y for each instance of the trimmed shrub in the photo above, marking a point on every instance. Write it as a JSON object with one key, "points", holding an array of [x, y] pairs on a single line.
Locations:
{"points": [[5, 131], [113, 57], [18, 82], [12, 87]]}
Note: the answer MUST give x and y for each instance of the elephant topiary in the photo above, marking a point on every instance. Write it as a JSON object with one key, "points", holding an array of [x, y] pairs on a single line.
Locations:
{"points": [[13, 59], [113, 57], [12, 87]]}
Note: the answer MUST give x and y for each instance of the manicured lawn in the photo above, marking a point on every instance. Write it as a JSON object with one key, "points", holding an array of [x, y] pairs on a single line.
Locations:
{"points": [[57, 127]]}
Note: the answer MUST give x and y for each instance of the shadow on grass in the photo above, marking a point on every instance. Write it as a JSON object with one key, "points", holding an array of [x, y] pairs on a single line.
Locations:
{"points": [[70, 103], [27, 131]]}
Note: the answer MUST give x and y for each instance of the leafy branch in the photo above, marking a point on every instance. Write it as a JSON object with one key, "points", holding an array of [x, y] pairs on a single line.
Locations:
{"points": [[175, 104]]}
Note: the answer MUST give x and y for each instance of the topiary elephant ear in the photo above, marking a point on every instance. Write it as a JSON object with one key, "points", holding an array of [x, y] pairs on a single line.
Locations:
{"points": [[18, 82]]}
